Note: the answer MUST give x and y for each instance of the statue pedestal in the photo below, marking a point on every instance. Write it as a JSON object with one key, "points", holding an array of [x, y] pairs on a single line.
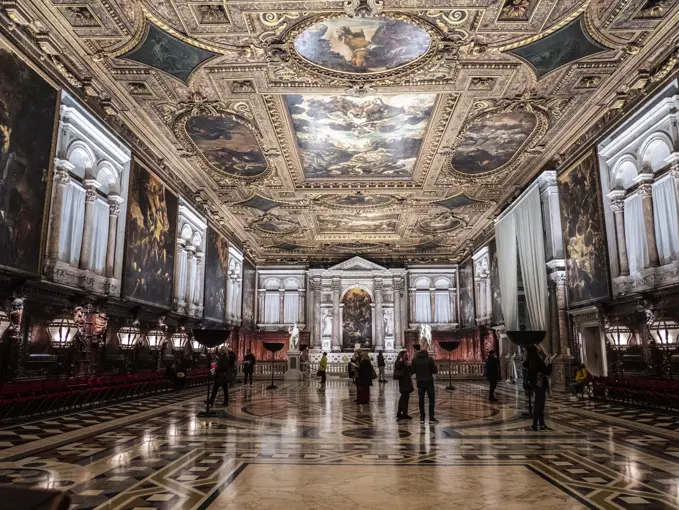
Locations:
{"points": [[293, 373]]}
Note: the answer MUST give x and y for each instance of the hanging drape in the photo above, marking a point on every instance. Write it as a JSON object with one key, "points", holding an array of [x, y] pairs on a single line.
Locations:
{"points": [[290, 307], [272, 308], [665, 219], [441, 307], [72, 217], [422, 306], [531, 245], [505, 241], [99, 236], [635, 234]]}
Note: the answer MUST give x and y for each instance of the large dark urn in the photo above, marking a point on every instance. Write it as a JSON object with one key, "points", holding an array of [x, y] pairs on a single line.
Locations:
{"points": [[526, 339], [450, 346], [273, 348], [209, 338]]}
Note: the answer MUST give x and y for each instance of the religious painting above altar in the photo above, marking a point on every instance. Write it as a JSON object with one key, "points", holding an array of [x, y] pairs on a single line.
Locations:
{"points": [[356, 319], [216, 268]]}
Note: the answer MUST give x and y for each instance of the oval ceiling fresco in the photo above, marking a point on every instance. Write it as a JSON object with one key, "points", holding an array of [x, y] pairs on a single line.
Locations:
{"points": [[442, 223], [490, 141], [271, 224], [228, 145], [362, 45]]}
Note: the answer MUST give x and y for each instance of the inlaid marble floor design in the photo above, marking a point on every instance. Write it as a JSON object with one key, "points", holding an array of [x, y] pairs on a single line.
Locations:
{"points": [[300, 448]]}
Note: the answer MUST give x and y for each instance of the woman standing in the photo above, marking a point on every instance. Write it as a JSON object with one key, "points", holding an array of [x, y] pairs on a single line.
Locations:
{"points": [[365, 379], [403, 373], [537, 376]]}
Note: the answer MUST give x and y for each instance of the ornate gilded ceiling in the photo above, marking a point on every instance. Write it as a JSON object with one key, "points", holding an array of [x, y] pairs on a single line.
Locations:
{"points": [[322, 129]]}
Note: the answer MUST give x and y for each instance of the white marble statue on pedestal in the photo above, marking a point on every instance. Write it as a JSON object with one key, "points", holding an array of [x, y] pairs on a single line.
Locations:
{"points": [[388, 322], [327, 323], [424, 336], [294, 338]]}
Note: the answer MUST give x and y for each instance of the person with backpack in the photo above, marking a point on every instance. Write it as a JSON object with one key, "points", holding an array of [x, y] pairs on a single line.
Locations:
{"points": [[403, 374]]}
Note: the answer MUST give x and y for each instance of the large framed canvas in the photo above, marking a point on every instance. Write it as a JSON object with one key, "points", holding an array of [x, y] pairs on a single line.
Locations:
{"points": [[582, 222], [28, 115], [249, 291], [151, 231], [467, 315], [216, 267], [496, 303]]}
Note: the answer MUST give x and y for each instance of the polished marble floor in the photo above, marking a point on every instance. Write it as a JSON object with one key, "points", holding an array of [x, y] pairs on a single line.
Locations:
{"points": [[301, 448]]}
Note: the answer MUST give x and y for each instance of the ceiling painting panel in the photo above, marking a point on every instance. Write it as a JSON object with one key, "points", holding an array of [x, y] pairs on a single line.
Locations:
{"points": [[365, 224]]}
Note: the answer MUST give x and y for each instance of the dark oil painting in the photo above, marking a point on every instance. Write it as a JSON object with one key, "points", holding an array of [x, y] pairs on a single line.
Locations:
{"points": [[467, 312], [582, 222], [362, 44], [216, 267], [229, 146], [564, 46], [167, 53], [151, 232], [356, 319], [272, 224], [457, 201], [249, 294], [358, 200], [261, 203], [358, 223], [494, 270], [491, 141], [351, 137], [27, 118], [444, 222]]}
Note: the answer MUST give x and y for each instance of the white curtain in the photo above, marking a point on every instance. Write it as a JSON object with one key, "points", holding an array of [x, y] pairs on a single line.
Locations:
{"points": [[422, 306], [531, 243], [99, 236], [635, 234], [441, 307], [272, 308], [665, 219], [505, 241], [72, 218], [290, 307]]}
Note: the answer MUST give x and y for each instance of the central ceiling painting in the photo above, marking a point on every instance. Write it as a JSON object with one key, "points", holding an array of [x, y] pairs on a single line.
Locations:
{"points": [[364, 223], [349, 137]]}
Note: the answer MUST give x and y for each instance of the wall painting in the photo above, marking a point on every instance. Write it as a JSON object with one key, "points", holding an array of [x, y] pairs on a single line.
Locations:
{"points": [[467, 313], [496, 304], [356, 319], [216, 267], [249, 294]]}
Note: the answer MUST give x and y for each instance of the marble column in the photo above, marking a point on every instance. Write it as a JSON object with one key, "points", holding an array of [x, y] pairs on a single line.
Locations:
{"points": [[114, 202], [453, 305], [618, 208], [379, 316], [300, 306], [488, 294], [316, 286], [336, 325], [88, 223], [479, 302], [198, 280], [646, 193], [398, 315], [61, 179], [189, 276], [559, 279], [281, 309], [411, 299], [260, 307]]}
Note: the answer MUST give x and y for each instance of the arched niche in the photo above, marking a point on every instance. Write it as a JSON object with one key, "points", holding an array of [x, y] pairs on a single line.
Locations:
{"points": [[655, 151]]}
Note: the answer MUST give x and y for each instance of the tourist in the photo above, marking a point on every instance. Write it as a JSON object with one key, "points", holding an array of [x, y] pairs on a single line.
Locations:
{"points": [[581, 379], [403, 374], [492, 374], [537, 377], [248, 366], [232, 366], [322, 368], [366, 374], [424, 369], [380, 366], [222, 375]]}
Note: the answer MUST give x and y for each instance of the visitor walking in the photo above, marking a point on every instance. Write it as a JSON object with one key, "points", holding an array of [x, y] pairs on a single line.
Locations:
{"points": [[380, 366], [222, 375], [366, 374], [424, 369], [248, 367], [581, 379], [322, 368], [537, 376], [403, 374], [492, 374]]}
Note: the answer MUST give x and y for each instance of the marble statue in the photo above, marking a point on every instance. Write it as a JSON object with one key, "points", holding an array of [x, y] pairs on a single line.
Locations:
{"points": [[294, 337], [327, 323], [424, 336], [388, 322]]}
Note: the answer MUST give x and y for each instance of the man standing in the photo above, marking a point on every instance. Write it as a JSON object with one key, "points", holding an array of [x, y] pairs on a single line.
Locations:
{"points": [[380, 366], [424, 369], [248, 367], [221, 378], [492, 374], [322, 367]]}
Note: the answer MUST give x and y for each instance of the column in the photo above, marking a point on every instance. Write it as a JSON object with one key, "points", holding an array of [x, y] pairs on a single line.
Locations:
{"points": [[189, 276], [300, 307], [114, 202], [432, 303], [478, 302], [379, 315], [559, 279], [336, 326], [316, 289], [198, 280], [453, 305], [61, 179], [646, 193], [488, 293], [88, 224], [281, 310], [260, 308], [398, 315], [618, 208], [411, 297]]}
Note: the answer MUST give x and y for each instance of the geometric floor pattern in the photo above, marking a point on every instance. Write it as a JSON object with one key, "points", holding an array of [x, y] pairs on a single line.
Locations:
{"points": [[299, 448]]}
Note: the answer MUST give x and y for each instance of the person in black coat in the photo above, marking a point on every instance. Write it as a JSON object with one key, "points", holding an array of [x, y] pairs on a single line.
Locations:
{"points": [[403, 373], [248, 366], [381, 364], [492, 374], [222, 373], [537, 380], [424, 368], [232, 366], [364, 379]]}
